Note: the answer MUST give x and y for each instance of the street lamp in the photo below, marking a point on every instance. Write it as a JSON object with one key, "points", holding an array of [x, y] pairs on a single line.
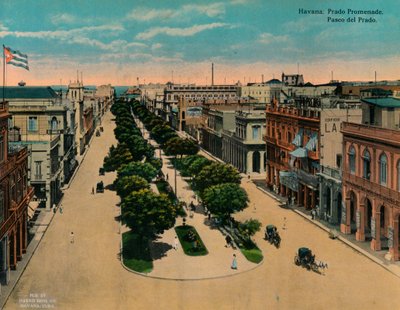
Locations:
{"points": [[176, 189]]}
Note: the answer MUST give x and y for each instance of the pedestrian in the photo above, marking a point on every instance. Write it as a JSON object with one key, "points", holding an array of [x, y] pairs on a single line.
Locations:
{"points": [[61, 209], [248, 178], [72, 237], [54, 210], [234, 262], [167, 176], [284, 223], [312, 214], [209, 215], [228, 240], [92, 190], [176, 243]]}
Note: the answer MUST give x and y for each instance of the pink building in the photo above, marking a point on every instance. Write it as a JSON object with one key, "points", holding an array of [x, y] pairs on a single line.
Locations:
{"points": [[371, 186]]}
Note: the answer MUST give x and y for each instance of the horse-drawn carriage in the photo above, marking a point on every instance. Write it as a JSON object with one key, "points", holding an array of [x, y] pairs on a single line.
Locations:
{"points": [[100, 187], [306, 259], [272, 235]]}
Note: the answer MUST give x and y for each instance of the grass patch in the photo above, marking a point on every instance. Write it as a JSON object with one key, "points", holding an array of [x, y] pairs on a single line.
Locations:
{"points": [[136, 256], [251, 252], [187, 244]]}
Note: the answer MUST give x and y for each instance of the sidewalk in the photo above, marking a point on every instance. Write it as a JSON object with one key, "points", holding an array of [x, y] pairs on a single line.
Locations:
{"points": [[39, 229], [174, 264], [349, 240]]}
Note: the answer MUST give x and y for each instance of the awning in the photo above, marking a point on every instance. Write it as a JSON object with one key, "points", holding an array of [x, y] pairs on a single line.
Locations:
{"points": [[299, 152], [32, 208], [312, 143], [298, 139], [289, 179]]}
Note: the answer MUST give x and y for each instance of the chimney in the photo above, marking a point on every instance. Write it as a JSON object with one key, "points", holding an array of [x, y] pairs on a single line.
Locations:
{"points": [[262, 78]]}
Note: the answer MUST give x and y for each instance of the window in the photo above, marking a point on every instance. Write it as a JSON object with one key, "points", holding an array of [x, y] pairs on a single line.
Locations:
{"points": [[383, 169], [398, 175], [1, 206], [38, 170], [2, 148], [32, 123], [338, 160], [54, 123], [366, 165], [352, 160], [256, 132]]}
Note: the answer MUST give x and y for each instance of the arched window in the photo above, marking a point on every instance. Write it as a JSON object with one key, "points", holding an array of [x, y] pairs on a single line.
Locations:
{"points": [[383, 169], [366, 165], [398, 175], [54, 123], [352, 160]]}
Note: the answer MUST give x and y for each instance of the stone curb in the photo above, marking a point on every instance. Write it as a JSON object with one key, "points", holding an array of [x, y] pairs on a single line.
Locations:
{"points": [[341, 238], [144, 275]]}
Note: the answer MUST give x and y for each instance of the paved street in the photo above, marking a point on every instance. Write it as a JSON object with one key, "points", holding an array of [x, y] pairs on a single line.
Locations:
{"points": [[88, 274]]}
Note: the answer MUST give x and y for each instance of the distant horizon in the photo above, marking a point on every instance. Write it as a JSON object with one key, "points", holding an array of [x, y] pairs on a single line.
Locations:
{"points": [[177, 41]]}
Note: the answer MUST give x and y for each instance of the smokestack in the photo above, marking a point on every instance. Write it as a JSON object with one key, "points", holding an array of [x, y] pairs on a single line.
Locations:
{"points": [[262, 78], [212, 74]]}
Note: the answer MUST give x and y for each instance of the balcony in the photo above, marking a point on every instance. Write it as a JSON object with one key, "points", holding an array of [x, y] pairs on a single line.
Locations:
{"points": [[378, 134], [377, 189], [307, 178], [331, 172]]}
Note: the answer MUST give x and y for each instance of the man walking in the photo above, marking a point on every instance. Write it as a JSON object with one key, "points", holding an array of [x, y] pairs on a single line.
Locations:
{"points": [[72, 237], [175, 243]]}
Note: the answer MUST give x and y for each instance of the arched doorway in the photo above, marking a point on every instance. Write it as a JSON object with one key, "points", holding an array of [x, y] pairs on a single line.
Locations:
{"points": [[353, 206], [256, 161], [368, 216], [339, 208], [328, 204]]}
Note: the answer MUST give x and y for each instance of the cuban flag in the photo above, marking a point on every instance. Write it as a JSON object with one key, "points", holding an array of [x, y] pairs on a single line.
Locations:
{"points": [[15, 58]]}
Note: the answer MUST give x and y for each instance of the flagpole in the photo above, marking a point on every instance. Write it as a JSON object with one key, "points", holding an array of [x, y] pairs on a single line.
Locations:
{"points": [[4, 72]]}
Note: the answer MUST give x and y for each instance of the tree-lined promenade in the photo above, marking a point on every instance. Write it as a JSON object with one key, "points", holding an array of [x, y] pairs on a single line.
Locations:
{"points": [[89, 275]]}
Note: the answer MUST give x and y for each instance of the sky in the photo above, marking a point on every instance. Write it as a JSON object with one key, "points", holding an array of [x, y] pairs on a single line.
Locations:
{"points": [[121, 41]]}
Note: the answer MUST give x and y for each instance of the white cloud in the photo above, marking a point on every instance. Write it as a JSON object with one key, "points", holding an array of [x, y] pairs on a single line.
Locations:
{"points": [[63, 18], [268, 38], [77, 35], [3, 28], [156, 46], [146, 14], [178, 32]]}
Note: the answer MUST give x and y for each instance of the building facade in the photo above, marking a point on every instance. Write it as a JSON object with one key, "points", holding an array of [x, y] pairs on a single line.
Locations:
{"points": [[292, 138], [371, 177], [244, 147], [331, 159], [14, 199], [40, 122]]}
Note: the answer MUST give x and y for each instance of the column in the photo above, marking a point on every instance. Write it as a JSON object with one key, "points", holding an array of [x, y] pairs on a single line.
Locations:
{"points": [[393, 236], [360, 220], [305, 197], [249, 162], [345, 226], [262, 170], [19, 241], [25, 234], [13, 251], [376, 229]]}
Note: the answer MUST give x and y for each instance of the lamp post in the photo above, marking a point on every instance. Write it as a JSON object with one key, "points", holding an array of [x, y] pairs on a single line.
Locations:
{"points": [[176, 189]]}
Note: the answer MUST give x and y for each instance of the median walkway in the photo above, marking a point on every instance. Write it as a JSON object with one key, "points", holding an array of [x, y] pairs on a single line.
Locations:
{"points": [[174, 264]]}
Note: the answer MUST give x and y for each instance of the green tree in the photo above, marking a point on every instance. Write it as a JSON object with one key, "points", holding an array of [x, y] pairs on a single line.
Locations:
{"points": [[116, 157], [216, 173], [155, 162], [225, 199], [128, 184], [144, 170], [249, 228], [148, 214], [179, 147], [197, 165]]}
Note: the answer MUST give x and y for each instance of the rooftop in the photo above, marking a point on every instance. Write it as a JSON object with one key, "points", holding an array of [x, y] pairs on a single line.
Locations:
{"points": [[387, 102], [30, 92]]}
